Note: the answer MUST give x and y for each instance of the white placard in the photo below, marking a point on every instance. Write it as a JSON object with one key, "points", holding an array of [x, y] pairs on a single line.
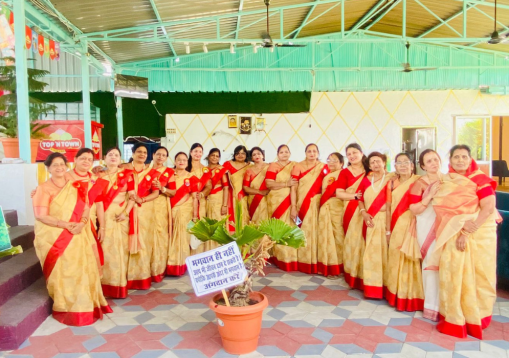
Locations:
{"points": [[216, 269]]}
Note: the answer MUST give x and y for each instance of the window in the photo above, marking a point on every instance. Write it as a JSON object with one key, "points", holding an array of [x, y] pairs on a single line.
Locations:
{"points": [[476, 133]]}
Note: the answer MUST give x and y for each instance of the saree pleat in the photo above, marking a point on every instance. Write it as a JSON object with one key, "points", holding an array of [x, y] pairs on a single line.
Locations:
{"points": [[404, 283], [179, 246], [278, 206], [330, 235], [70, 263], [236, 193]]}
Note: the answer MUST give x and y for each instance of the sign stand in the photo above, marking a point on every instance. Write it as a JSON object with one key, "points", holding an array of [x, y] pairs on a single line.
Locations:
{"points": [[225, 296]]}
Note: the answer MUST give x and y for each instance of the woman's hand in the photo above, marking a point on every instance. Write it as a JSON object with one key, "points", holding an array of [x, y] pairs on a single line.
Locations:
{"points": [[32, 193], [435, 187], [138, 200], [293, 213], [77, 229], [97, 170], [470, 227], [157, 184], [120, 217], [292, 182], [224, 210], [388, 237], [100, 235], [368, 219], [69, 225], [461, 243], [263, 192]]}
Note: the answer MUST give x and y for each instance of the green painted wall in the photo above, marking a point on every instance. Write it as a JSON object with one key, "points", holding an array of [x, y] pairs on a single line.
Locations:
{"points": [[140, 117]]}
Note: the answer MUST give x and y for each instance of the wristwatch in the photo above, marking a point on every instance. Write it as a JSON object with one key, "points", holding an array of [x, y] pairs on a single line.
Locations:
{"points": [[163, 190], [356, 197], [387, 233]]}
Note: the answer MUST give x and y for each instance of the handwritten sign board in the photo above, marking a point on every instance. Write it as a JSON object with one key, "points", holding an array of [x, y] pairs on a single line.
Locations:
{"points": [[216, 269]]}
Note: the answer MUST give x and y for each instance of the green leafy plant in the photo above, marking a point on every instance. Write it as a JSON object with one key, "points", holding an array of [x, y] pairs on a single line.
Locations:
{"points": [[9, 105], [254, 242]]}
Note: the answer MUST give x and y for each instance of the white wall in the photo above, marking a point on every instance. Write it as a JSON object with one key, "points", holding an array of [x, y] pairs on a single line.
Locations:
{"points": [[16, 183], [372, 119]]}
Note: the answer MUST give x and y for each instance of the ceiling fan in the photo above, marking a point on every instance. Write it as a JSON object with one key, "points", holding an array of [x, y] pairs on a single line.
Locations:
{"points": [[495, 37], [406, 66], [267, 39]]}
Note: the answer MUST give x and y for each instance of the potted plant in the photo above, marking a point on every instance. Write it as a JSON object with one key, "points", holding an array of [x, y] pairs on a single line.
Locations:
{"points": [[240, 323], [9, 108]]}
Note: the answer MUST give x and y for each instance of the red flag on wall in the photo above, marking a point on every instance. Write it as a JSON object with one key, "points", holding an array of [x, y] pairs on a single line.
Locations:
{"points": [[11, 21], [40, 44], [57, 51], [52, 52], [28, 37]]}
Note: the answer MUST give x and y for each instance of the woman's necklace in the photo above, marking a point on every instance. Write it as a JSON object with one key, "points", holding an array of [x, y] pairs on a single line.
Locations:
{"points": [[81, 176], [115, 187], [282, 166], [138, 172], [55, 184], [373, 183]]}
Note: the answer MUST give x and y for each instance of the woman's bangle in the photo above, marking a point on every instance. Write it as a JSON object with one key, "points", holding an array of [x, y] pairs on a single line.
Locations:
{"points": [[362, 210], [425, 205], [225, 206], [143, 200], [387, 232], [163, 190], [463, 232], [102, 228], [84, 220], [58, 222]]}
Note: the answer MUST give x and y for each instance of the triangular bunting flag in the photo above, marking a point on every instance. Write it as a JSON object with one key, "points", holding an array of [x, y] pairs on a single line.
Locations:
{"points": [[52, 53], [46, 47], [40, 44], [57, 51], [28, 37]]}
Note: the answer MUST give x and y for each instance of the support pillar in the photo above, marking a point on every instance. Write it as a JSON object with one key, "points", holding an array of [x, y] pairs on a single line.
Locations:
{"points": [[85, 88], [120, 126], [22, 81]]}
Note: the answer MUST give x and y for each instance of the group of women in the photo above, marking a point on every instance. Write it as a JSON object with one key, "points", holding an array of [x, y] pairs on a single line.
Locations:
{"points": [[424, 243]]}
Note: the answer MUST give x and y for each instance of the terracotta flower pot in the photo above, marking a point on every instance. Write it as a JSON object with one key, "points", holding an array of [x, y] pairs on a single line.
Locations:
{"points": [[11, 148], [240, 327]]}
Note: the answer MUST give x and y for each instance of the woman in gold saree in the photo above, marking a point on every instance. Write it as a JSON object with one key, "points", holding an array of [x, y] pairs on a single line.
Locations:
{"points": [[165, 183], [184, 208], [236, 169], [200, 171], [305, 199], [466, 246], [279, 181], [67, 250], [404, 283], [348, 190], [423, 230], [254, 185], [330, 228], [142, 225], [217, 200], [376, 228], [113, 208]]}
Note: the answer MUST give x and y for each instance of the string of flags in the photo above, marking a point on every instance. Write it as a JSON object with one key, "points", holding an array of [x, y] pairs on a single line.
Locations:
{"points": [[34, 41]]}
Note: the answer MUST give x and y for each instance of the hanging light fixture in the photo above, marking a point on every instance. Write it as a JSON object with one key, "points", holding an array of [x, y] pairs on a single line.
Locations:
{"points": [[205, 49], [188, 48], [232, 48], [255, 47]]}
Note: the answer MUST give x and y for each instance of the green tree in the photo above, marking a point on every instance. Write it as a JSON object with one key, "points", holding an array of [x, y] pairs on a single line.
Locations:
{"points": [[9, 105]]}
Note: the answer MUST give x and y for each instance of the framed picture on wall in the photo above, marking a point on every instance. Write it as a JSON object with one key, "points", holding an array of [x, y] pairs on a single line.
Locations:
{"points": [[232, 121], [245, 125]]}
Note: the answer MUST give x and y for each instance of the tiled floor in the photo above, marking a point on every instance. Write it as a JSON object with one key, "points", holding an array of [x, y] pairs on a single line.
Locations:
{"points": [[308, 316]]}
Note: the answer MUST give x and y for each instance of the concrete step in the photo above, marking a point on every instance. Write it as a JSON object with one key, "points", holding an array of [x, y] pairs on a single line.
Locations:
{"points": [[18, 273], [11, 217], [23, 313]]}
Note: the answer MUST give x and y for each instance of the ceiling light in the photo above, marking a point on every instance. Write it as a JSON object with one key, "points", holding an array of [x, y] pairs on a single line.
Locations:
{"points": [[272, 49], [205, 49], [232, 48], [177, 59], [188, 48], [255, 47]]}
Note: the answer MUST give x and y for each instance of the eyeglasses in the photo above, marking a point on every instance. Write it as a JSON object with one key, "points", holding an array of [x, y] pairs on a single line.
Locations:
{"points": [[403, 164], [332, 161]]}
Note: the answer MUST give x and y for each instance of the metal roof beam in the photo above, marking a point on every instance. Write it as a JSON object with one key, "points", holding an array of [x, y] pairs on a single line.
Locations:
{"points": [[445, 22], [241, 6], [485, 3], [375, 10], [306, 22], [156, 12], [380, 16], [149, 27]]}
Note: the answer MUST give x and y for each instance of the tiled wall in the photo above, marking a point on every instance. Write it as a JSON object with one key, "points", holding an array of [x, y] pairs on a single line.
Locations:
{"points": [[372, 119]]}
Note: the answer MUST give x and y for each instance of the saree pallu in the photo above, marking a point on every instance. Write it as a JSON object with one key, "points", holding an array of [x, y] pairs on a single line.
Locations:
{"points": [[353, 248], [404, 283], [203, 176], [182, 213], [330, 229], [236, 194], [142, 238], [309, 193], [215, 202], [374, 261], [278, 206], [116, 236], [257, 204], [70, 262], [468, 278]]}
